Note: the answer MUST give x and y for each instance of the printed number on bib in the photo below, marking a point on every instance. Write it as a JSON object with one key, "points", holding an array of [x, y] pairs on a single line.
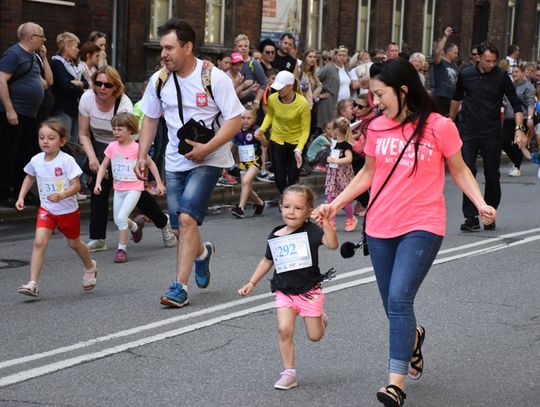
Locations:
{"points": [[246, 153], [49, 186], [122, 169], [291, 252]]}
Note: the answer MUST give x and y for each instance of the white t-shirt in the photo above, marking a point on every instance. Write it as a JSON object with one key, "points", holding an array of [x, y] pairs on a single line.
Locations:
{"points": [[52, 177], [100, 122], [197, 105], [344, 85]]}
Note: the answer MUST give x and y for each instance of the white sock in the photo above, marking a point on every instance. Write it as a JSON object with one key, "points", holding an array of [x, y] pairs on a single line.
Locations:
{"points": [[184, 286], [122, 246], [293, 371], [204, 254], [134, 227]]}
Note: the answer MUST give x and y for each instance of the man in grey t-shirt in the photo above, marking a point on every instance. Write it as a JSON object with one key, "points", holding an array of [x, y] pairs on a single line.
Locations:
{"points": [[21, 93]]}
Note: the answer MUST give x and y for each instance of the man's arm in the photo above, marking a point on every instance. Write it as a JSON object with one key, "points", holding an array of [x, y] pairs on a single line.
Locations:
{"points": [[147, 134], [47, 71], [439, 47], [5, 98]]}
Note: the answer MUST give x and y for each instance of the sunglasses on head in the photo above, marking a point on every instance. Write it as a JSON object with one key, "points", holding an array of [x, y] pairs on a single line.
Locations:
{"points": [[359, 105], [107, 85]]}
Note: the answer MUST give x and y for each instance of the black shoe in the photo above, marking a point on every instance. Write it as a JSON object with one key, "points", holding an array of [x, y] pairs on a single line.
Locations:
{"points": [[491, 226], [258, 209], [470, 225], [238, 212]]}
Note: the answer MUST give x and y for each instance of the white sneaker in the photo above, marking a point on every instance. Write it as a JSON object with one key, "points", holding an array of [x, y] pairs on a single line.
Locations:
{"points": [[96, 245], [169, 239], [30, 288], [514, 172]]}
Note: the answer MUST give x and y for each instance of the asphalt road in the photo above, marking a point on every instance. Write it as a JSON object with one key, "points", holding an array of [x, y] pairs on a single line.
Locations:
{"points": [[117, 345]]}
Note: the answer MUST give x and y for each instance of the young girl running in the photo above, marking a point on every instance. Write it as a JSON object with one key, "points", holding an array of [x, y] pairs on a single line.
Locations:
{"points": [[57, 176], [122, 154], [292, 249], [249, 144], [340, 171]]}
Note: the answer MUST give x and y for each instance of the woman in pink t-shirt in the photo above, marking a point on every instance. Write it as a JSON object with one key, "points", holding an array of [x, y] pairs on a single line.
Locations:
{"points": [[406, 217]]}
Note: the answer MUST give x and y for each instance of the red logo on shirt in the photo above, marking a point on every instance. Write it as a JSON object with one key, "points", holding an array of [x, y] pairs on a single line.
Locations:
{"points": [[58, 172], [202, 100]]}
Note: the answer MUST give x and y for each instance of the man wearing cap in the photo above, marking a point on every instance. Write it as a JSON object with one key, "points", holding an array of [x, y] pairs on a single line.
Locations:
{"points": [[289, 116]]}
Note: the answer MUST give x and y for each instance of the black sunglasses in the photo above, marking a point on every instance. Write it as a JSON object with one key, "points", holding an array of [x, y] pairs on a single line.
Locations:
{"points": [[269, 52], [107, 85], [359, 105], [326, 58]]}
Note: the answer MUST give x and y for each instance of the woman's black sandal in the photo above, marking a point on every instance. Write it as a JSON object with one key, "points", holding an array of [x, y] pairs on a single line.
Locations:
{"points": [[417, 360], [392, 397]]}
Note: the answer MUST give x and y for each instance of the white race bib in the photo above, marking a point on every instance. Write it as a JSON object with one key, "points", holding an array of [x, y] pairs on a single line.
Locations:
{"points": [[291, 252], [334, 153], [49, 186], [246, 153], [122, 169]]}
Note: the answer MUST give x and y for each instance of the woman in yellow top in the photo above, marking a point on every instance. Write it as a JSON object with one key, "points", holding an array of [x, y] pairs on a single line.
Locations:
{"points": [[289, 116]]}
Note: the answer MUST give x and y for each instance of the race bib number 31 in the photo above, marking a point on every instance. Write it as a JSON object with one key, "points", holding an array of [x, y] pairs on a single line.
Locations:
{"points": [[291, 252], [49, 186], [122, 169]]}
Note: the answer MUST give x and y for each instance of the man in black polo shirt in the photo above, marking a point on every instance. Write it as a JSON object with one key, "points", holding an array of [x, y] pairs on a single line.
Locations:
{"points": [[481, 89], [283, 60]]}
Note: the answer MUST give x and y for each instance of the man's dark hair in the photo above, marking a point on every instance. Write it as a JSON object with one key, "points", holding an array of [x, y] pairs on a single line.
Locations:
{"points": [[266, 42], [289, 36], [184, 30], [390, 43], [488, 46], [475, 47], [512, 48]]}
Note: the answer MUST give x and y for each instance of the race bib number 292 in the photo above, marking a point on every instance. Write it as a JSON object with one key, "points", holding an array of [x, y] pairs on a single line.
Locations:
{"points": [[291, 252]]}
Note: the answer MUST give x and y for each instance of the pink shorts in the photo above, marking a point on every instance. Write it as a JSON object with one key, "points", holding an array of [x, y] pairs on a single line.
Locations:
{"points": [[309, 304]]}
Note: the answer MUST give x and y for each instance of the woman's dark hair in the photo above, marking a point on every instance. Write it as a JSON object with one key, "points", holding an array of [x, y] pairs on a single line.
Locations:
{"points": [[88, 48], [266, 42], [184, 30], [398, 73]]}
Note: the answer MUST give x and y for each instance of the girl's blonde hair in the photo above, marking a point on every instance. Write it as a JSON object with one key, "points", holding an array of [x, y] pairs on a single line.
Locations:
{"points": [[127, 120], [250, 107], [301, 189], [342, 125]]}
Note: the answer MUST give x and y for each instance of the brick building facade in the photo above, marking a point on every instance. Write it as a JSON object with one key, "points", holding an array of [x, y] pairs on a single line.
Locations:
{"points": [[342, 22]]}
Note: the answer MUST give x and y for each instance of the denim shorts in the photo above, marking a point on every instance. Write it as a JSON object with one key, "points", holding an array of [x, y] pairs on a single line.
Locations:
{"points": [[190, 191]]}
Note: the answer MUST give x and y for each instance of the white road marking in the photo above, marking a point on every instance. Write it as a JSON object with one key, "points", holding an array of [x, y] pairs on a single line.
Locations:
{"points": [[70, 362]]}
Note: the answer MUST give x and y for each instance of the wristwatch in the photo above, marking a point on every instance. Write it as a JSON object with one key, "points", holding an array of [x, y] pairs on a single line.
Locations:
{"points": [[520, 127]]}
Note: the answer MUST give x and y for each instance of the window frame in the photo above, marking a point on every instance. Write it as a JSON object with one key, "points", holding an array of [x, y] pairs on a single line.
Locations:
{"points": [[399, 39], [309, 27], [209, 5], [363, 32], [427, 43], [152, 31]]}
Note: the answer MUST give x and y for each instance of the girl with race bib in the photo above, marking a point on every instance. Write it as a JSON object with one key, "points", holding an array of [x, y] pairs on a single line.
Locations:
{"points": [[292, 249], [57, 176], [122, 155], [249, 143]]}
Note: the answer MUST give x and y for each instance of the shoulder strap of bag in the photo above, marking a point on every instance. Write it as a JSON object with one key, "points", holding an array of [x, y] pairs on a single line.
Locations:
{"points": [[15, 79], [206, 79], [117, 104], [388, 177], [179, 98]]}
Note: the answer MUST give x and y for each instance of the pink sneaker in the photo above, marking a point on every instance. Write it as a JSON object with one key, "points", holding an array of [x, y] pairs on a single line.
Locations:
{"points": [[350, 224], [121, 256], [287, 380]]}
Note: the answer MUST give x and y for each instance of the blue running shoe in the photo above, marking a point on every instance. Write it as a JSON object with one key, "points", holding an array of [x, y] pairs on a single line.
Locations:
{"points": [[535, 159], [202, 267], [175, 297]]}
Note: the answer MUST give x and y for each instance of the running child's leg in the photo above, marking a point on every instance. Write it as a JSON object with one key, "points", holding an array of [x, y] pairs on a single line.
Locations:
{"points": [[124, 203], [285, 322], [41, 242], [82, 251], [315, 327], [247, 187]]}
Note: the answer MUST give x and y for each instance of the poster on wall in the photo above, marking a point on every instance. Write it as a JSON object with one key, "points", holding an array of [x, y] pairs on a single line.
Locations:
{"points": [[279, 17]]}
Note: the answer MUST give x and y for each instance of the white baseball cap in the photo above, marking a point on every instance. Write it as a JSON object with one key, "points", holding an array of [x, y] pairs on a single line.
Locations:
{"points": [[283, 79]]}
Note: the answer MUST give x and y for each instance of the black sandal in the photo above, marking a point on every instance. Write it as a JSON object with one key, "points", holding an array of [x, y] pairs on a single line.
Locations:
{"points": [[392, 397], [417, 360]]}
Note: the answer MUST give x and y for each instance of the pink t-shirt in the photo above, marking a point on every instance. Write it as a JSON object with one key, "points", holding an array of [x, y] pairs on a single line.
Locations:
{"points": [[412, 199], [123, 159]]}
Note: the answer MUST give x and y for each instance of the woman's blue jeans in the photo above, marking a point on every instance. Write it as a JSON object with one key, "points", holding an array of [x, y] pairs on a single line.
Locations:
{"points": [[400, 265]]}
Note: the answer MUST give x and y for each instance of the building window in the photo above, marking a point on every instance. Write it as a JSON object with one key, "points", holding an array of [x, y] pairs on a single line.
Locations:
{"points": [[314, 25], [160, 11], [215, 15], [397, 22], [362, 24], [511, 23], [429, 25]]}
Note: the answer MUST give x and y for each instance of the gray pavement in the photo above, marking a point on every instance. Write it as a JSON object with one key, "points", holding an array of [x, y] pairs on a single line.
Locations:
{"points": [[117, 345]]}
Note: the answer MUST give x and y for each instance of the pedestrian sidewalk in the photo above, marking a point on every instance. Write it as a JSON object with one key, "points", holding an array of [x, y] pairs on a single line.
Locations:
{"points": [[221, 196]]}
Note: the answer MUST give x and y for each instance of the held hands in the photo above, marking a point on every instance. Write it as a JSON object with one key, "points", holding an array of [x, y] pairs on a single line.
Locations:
{"points": [[487, 214], [521, 139], [246, 289], [323, 214], [140, 169], [160, 189]]}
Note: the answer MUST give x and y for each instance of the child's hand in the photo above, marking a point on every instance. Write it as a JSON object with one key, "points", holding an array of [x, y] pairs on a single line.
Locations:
{"points": [[57, 197], [160, 189], [97, 189], [19, 204], [245, 290], [323, 213], [330, 160]]}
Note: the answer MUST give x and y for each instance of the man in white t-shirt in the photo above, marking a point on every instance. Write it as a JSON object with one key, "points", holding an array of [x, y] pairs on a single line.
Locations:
{"points": [[191, 177]]}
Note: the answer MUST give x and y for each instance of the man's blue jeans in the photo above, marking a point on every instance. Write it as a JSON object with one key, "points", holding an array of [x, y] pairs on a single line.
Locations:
{"points": [[400, 265]]}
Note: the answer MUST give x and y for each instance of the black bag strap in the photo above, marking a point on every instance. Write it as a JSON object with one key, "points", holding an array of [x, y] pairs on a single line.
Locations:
{"points": [[15, 79], [179, 98], [117, 104], [387, 178]]}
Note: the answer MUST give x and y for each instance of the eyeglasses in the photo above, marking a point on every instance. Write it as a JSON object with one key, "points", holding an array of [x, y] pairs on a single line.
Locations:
{"points": [[359, 105], [474, 54], [38, 35], [269, 52], [107, 85]]}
